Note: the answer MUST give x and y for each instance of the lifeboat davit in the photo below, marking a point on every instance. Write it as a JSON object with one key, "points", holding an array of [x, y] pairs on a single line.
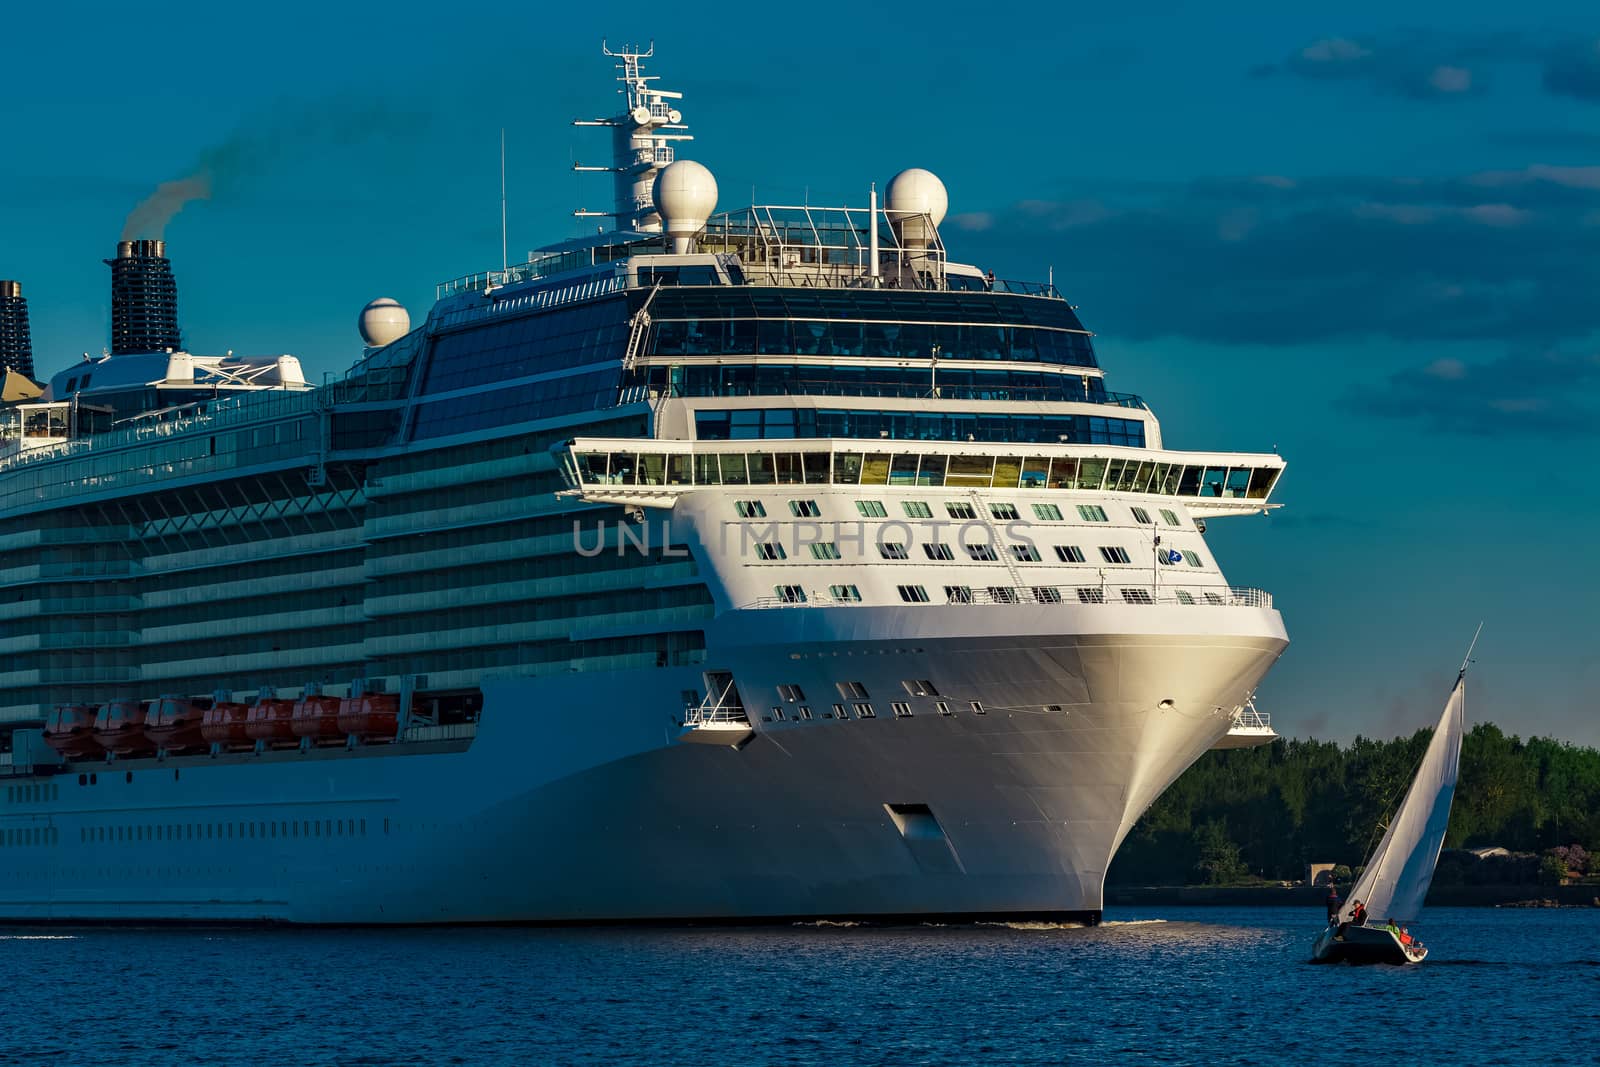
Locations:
{"points": [[317, 717], [271, 721], [227, 724], [174, 724], [69, 729], [119, 727], [374, 717]]}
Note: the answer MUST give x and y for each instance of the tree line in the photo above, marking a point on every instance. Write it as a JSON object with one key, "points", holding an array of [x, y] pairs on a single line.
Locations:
{"points": [[1267, 812]]}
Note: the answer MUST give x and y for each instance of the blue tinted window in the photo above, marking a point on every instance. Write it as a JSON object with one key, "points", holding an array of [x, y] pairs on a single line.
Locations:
{"points": [[757, 379], [532, 344], [523, 403], [752, 423]]}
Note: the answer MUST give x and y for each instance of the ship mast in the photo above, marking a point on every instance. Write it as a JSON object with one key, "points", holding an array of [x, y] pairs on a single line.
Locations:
{"points": [[641, 143]]}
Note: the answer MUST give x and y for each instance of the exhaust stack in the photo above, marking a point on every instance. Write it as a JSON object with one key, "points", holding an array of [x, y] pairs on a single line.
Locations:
{"points": [[144, 299], [16, 343]]}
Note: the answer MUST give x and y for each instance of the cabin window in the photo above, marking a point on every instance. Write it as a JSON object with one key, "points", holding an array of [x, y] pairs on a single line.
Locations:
{"points": [[938, 552], [892, 550], [839, 712], [844, 592], [941, 707], [1003, 510], [1092, 513], [1170, 516], [1141, 516], [1138, 596], [1025, 553], [864, 711], [1185, 597], [1047, 512], [913, 594], [960, 510], [1192, 558], [825, 550], [1069, 553], [958, 594], [791, 693], [920, 687], [871, 509], [1091, 596], [1047, 594], [770, 550], [852, 690], [790, 594], [750, 509], [977, 707], [1003, 594], [1115, 554], [984, 553], [805, 712], [804, 509], [902, 710], [916, 509]]}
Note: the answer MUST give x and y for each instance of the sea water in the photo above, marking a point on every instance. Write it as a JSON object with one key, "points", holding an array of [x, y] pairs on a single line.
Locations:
{"points": [[1174, 985]]}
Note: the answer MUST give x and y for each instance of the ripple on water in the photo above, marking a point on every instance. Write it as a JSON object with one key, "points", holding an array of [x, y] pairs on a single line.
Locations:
{"points": [[1185, 985]]}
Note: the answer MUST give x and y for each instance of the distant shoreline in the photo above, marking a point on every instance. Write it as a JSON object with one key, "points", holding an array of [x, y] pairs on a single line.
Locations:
{"points": [[1311, 897]]}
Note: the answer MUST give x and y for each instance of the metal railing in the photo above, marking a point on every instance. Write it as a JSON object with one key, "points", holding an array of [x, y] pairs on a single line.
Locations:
{"points": [[703, 714], [900, 390], [1249, 718]]}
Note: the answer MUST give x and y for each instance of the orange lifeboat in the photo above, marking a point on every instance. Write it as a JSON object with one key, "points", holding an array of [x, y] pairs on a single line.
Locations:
{"points": [[374, 717], [271, 721], [227, 724], [317, 717], [174, 723], [119, 727], [69, 729]]}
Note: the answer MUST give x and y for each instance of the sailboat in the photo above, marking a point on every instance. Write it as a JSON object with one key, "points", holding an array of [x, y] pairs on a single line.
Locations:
{"points": [[1392, 886]]}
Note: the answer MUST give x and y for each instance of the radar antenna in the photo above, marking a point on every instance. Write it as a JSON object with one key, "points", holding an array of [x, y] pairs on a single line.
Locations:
{"points": [[641, 143]]}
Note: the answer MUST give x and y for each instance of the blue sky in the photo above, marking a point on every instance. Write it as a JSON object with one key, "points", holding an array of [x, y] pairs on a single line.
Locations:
{"points": [[1367, 234]]}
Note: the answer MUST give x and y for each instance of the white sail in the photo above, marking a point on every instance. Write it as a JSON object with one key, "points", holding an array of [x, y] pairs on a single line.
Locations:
{"points": [[1397, 876]]}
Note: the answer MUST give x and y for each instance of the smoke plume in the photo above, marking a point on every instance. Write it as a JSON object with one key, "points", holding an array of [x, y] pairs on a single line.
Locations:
{"points": [[150, 217], [259, 148]]}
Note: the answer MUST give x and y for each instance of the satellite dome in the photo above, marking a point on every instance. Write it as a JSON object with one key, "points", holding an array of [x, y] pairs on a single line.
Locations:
{"points": [[383, 321], [685, 195], [916, 192]]}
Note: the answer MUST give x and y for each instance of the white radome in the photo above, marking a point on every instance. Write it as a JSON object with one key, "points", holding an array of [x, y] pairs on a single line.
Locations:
{"points": [[383, 321], [685, 195], [915, 191]]}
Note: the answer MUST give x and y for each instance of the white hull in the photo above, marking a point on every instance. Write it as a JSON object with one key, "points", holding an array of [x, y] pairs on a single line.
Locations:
{"points": [[577, 803]]}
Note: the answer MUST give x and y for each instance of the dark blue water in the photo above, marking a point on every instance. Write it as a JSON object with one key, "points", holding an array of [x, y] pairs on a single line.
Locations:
{"points": [[1179, 985]]}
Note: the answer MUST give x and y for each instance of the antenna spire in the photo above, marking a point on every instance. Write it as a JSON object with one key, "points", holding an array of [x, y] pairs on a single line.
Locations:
{"points": [[640, 143], [503, 256]]}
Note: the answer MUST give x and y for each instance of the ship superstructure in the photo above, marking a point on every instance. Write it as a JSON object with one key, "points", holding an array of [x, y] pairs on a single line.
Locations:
{"points": [[753, 565]]}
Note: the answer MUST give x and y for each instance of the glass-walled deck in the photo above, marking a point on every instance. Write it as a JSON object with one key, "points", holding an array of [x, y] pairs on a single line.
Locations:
{"points": [[1241, 476]]}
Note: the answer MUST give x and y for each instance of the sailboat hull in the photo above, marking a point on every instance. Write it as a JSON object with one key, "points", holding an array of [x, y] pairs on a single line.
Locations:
{"points": [[1364, 944]]}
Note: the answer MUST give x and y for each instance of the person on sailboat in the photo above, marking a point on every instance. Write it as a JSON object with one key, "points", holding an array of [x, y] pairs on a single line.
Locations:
{"points": [[1333, 902], [1358, 914]]}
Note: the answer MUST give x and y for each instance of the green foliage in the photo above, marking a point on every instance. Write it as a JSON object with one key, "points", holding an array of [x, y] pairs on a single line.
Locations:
{"points": [[1219, 857], [1284, 805], [1552, 870], [1342, 874]]}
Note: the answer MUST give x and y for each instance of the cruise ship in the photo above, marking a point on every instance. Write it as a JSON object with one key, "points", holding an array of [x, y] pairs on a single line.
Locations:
{"points": [[752, 565]]}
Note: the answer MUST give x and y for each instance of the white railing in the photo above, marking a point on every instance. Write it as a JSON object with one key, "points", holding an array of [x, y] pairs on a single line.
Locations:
{"points": [[1249, 718], [702, 714], [460, 731]]}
